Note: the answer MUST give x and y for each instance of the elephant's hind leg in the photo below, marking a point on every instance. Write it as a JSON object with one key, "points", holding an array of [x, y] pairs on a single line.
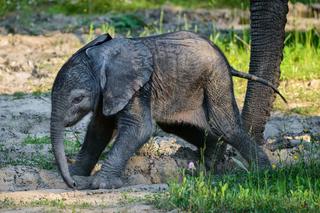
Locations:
{"points": [[224, 119], [99, 133]]}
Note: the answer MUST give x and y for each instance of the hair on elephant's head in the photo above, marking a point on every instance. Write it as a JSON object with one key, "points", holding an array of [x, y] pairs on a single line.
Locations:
{"points": [[106, 71]]}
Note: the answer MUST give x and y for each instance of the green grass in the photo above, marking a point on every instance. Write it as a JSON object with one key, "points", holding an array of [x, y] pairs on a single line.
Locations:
{"points": [[39, 159], [97, 6], [36, 140], [301, 54], [294, 188], [18, 95], [70, 7], [54, 204], [71, 147], [92, 6], [301, 64]]}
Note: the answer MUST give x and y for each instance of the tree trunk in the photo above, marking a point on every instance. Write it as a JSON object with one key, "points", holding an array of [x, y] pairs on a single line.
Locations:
{"points": [[268, 19]]}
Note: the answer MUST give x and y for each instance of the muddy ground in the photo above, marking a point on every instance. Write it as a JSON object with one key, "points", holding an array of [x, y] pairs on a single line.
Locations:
{"points": [[31, 53]]}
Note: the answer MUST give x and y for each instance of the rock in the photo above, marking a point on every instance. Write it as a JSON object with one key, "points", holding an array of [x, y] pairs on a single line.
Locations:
{"points": [[51, 180], [294, 126], [295, 142], [300, 138], [149, 149], [314, 84], [138, 164], [314, 127], [159, 161], [167, 146], [7, 180], [29, 178], [137, 179], [271, 131], [289, 125], [164, 170]]}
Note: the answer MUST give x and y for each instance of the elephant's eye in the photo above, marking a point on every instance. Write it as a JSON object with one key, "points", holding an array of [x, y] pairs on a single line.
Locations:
{"points": [[78, 99]]}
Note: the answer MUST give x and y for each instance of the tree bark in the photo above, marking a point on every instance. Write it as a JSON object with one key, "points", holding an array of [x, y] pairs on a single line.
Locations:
{"points": [[268, 19]]}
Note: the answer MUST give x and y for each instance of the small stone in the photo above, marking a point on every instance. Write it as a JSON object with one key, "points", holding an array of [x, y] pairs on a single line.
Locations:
{"points": [[296, 140], [164, 170], [271, 131], [314, 83], [138, 163], [137, 179]]}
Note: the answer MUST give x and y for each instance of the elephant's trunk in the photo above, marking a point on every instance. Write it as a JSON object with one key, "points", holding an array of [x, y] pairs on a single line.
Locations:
{"points": [[268, 19], [57, 133]]}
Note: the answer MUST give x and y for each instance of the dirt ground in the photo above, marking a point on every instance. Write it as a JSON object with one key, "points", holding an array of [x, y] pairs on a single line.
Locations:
{"points": [[29, 61], [25, 184], [126, 199]]}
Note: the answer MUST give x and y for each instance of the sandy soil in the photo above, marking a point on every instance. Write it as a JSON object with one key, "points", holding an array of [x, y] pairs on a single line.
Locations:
{"points": [[126, 199], [30, 63]]}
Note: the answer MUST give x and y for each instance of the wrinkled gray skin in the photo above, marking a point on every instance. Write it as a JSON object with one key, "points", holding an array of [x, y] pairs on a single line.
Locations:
{"points": [[268, 20], [179, 80]]}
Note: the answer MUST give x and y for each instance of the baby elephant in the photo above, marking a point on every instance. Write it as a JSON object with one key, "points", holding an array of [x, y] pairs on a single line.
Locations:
{"points": [[179, 80]]}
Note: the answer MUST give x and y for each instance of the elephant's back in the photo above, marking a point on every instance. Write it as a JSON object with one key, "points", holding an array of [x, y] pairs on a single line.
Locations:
{"points": [[181, 68], [172, 35], [181, 52]]}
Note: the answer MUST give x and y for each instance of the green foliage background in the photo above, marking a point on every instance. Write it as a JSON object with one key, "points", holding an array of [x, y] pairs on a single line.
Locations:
{"points": [[103, 6]]}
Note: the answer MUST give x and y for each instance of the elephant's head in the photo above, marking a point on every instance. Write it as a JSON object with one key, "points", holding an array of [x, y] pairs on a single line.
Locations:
{"points": [[106, 69]]}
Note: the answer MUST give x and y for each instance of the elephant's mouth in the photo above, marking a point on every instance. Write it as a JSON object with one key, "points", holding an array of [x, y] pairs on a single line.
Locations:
{"points": [[75, 119], [70, 124]]}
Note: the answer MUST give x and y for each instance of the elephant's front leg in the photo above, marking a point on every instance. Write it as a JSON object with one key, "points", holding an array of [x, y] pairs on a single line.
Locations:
{"points": [[134, 130], [99, 133]]}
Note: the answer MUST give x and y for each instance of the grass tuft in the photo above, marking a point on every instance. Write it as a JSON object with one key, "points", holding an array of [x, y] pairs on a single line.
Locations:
{"points": [[292, 188], [41, 159], [55, 204], [300, 65], [71, 147]]}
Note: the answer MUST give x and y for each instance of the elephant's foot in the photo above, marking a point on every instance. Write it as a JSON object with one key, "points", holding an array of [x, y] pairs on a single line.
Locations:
{"points": [[259, 160], [106, 182], [210, 164], [263, 160], [214, 156], [79, 170], [83, 182]]}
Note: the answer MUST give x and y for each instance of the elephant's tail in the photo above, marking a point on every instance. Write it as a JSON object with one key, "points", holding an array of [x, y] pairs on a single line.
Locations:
{"points": [[257, 79]]}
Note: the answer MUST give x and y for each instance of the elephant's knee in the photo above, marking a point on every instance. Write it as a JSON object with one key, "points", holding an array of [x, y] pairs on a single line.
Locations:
{"points": [[147, 131]]}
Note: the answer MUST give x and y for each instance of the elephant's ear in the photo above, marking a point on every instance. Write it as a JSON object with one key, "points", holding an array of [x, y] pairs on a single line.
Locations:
{"points": [[99, 40], [123, 67]]}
